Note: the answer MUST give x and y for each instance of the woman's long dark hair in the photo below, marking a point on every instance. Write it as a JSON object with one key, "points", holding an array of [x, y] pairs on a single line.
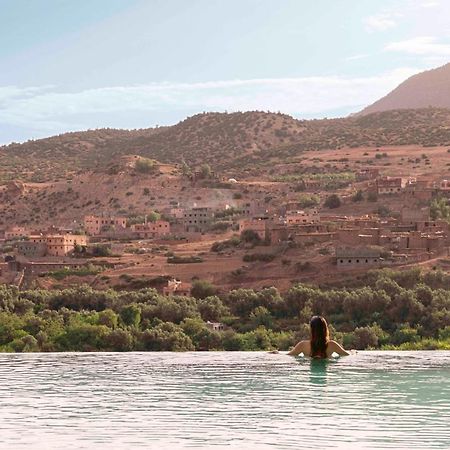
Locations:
{"points": [[319, 337]]}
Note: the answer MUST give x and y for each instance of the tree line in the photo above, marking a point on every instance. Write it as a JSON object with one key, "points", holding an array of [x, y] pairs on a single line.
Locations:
{"points": [[383, 309]]}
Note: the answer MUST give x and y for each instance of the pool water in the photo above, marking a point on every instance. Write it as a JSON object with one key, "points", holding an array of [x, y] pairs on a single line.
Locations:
{"points": [[372, 400]]}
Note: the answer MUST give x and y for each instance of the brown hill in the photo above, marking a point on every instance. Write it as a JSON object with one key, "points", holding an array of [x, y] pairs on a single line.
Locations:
{"points": [[228, 142], [426, 89]]}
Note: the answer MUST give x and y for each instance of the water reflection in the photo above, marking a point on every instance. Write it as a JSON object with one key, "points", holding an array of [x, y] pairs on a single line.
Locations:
{"points": [[318, 371]]}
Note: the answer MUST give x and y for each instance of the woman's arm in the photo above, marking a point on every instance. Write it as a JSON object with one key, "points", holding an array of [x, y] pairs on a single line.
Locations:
{"points": [[299, 348], [337, 348]]}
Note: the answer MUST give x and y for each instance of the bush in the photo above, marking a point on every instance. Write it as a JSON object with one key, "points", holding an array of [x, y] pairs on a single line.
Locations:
{"points": [[358, 197], [308, 200], [101, 251], [223, 245], [202, 289], [265, 257], [184, 259], [250, 237], [146, 165], [332, 201]]}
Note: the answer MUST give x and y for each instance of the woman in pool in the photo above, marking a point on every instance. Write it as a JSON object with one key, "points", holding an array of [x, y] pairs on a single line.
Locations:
{"points": [[319, 345]]}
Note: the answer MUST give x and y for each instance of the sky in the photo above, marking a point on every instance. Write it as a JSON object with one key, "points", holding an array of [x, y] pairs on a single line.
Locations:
{"points": [[70, 65]]}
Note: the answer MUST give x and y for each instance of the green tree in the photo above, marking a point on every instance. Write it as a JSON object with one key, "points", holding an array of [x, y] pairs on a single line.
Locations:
{"points": [[119, 341], [202, 289], [131, 315], [261, 316], [211, 308], [440, 209]]}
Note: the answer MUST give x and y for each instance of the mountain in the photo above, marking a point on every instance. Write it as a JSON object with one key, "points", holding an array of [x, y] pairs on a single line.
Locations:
{"points": [[231, 143], [426, 89]]}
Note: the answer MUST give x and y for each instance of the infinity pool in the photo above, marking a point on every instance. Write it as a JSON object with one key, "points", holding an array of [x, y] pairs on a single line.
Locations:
{"points": [[372, 400]]}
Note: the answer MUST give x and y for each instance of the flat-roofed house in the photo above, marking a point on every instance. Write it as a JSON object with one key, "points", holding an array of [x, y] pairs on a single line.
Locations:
{"points": [[389, 185], [257, 224], [155, 229], [302, 217], [95, 225], [15, 232], [357, 257], [178, 288], [63, 244], [197, 219]]}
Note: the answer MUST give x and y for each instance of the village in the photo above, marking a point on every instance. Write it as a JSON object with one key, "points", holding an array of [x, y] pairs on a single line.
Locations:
{"points": [[303, 231]]}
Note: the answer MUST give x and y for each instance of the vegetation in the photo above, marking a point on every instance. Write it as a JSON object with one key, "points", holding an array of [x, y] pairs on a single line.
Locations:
{"points": [[332, 201], [184, 259], [265, 257], [146, 165], [250, 237], [440, 209], [221, 140], [328, 181], [60, 274], [308, 200], [223, 245], [384, 309], [358, 197]]}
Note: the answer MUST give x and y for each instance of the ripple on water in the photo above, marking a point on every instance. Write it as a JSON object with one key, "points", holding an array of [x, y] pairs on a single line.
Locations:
{"points": [[376, 400]]}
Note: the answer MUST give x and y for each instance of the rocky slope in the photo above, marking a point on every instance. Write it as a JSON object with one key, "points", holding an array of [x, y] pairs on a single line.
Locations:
{"points": [[426, 89]]}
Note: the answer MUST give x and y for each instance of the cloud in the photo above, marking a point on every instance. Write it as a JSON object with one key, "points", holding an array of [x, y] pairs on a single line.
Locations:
{"points": [[430, 4], [380, 22], [421, 45], [357, 57], [49, 111]]}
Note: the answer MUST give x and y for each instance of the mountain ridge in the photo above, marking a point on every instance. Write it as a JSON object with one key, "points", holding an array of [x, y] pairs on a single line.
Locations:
{"points": [[226, 141], [430, 88]]}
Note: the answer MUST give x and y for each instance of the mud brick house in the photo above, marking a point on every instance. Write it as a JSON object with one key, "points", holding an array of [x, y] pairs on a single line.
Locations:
{"points": [[177, 287], [51, 245], [302, 217], [95, 225], [411, 216], [260, 225], [155, 229], [359, 257], [389, 185], [367, 174], [15, 232], [198, 218], [421, 191]]}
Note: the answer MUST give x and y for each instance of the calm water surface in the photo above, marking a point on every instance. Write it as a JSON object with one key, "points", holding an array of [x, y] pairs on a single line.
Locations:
{"points": [[373, 400]]}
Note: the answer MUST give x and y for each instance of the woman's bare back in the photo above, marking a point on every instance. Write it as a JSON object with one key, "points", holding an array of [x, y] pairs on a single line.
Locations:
{"points": [[305, 348]]}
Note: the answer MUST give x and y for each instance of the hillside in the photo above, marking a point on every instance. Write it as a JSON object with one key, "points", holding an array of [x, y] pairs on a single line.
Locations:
{"points": [[228, 142], [426, 89]]}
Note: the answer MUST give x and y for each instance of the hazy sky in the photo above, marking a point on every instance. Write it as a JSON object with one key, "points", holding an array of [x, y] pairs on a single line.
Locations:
{"points": [[79, 64]]}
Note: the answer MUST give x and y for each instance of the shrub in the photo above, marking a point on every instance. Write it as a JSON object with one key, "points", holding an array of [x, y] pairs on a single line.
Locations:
{"points": [[265, 257], [332, 201], [184, 259], [308, 201], [250, 236], [146, 165], [359, 196], [202, 289]]}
